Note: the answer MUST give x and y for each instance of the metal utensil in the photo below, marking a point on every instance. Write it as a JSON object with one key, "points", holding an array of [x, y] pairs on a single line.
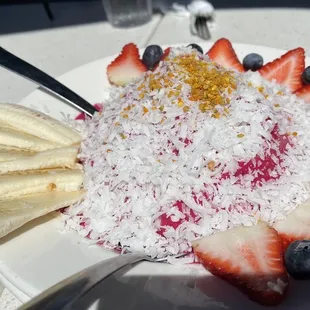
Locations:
{"points": [[202, 28], [21, 67], [62, 295]]}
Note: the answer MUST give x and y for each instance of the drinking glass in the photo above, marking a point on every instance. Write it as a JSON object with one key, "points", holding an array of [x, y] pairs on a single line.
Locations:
{"points": [[128, 13]]}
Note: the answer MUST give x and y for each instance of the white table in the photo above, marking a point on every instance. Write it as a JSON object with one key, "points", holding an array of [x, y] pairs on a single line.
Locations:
{"points": [[60, 49]]}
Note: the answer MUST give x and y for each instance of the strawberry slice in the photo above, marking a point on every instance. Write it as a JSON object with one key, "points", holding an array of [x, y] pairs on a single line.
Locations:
{"points": [[296, 226], [127, 67], [304, 93], [163, 56], [249, 258], [166, 53], [224, 55], [287, 69]]}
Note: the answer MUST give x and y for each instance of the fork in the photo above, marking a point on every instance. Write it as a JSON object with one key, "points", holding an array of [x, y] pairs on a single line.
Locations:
{"points": [[202, 28], [62, 295]]}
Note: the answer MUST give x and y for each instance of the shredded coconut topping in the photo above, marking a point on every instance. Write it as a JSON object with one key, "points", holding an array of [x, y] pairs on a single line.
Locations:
{"points": [[189, 150]]}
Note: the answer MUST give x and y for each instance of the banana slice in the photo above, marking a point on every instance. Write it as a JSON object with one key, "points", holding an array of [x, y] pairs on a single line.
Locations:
{"points": [[16, 212], [7, 155], [57, 158], [40, 181], [17, 139], [4, 148], [37, 124]]}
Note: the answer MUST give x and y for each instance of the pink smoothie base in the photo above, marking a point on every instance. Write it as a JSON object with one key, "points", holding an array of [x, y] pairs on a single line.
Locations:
{"points": [[264, 166]]}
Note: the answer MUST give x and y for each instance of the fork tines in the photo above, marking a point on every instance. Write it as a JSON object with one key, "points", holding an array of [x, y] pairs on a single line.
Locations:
{"points": [[202, 28]]}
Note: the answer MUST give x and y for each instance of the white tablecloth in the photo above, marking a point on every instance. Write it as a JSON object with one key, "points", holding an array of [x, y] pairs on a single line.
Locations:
{"points": [[60, 49]]}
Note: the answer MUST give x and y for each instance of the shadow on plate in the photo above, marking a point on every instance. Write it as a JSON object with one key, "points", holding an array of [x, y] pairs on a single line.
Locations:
{"points": [[119, 292], [30, 225]]}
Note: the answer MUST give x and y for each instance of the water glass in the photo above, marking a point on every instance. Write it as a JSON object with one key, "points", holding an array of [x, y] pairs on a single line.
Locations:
{"points": [[128, 13]]}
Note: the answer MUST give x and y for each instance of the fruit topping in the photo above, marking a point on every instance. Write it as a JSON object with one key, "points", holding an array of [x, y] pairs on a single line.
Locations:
{"points": [[127, 67], [253, 62], [166, 53], [295, 226], [224, 55], [152, 56], [196, 47], [250, 258], [82, 116], [164, 56], [306, 75], [304, 93], [297, 259], [287, 69]]}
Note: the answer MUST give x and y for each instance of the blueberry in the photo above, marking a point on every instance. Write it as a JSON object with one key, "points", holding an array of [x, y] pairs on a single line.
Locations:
{"points": [[196, 47], [151, 56], [253, 62], [297, 259], [306, 75]]}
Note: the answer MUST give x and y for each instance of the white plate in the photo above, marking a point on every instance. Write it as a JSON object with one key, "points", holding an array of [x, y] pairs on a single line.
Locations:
{"points": [[38, 255]]}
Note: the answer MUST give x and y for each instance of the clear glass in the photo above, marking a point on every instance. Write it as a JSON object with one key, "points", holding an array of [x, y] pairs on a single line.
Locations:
{"points": [[128, 13]]}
